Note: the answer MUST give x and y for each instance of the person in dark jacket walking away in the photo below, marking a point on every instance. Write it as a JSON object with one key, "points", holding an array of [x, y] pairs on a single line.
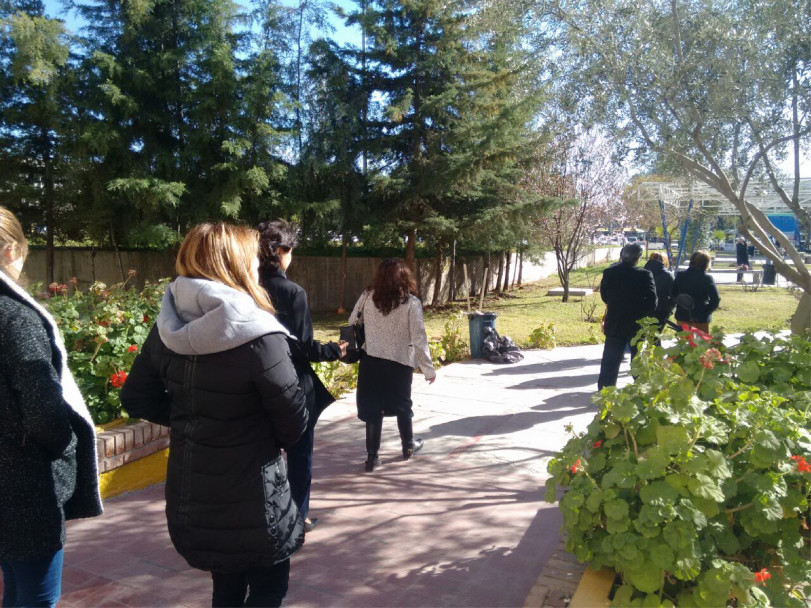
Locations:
{"points": [[663, 279], [629, 294], [276, 242], [699, 285], [48, 471], [395, 344], [216, 369], [741, 256]]}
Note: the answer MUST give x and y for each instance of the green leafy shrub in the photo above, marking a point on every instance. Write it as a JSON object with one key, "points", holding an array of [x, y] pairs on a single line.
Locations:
{"points": [[339, 378], [543, 337], [437, 351], [452, 340], [693, 483], [104, 328]]}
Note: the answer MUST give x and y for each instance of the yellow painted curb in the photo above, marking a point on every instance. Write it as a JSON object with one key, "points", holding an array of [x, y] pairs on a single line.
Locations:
{"points": [[593, 589], [109, 425], [134, 475]]}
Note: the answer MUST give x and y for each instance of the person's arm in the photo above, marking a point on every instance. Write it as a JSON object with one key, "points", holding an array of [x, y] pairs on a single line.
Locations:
{"points": [[300, 324], [279, 391], [26, 363], [604, 288], [649, 298], [713, 295], [144, 394], [419, 340]]}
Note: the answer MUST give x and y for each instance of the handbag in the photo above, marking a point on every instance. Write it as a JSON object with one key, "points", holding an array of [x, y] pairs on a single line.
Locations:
{"points": [[355, 336]]}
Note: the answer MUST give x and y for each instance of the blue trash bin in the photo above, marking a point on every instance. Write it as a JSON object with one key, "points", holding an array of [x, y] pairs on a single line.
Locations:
{"points": [[476, 323]]}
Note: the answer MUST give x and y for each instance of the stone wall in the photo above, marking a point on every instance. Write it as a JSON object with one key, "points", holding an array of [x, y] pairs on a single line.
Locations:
{"points": [[319, 275]]}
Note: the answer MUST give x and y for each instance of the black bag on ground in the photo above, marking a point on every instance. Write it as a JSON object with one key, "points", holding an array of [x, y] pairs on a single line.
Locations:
{"points": [[500, 349]]}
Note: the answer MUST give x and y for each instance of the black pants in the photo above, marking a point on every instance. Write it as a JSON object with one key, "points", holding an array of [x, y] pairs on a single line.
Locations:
{"points": [[264, 586], [300, 471], [373, 431], [613, 353]]}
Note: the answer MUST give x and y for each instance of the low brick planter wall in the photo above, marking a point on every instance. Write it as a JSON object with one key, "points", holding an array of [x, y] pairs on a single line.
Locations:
{"points": [[131, 456]]}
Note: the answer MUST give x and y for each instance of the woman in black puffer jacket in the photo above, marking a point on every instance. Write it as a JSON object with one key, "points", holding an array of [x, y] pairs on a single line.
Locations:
{"points": [[216, 369]]}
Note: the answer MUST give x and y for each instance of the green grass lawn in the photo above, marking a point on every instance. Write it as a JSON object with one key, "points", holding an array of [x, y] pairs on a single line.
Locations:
{"points": [[523, 310]]}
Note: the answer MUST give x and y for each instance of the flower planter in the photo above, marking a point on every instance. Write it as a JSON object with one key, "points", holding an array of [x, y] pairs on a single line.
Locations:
{"points": [[594, 589], [131, 456]]}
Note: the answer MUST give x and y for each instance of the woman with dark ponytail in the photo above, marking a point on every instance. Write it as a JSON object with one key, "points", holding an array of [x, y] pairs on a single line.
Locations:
{"points": [[276, 243]]}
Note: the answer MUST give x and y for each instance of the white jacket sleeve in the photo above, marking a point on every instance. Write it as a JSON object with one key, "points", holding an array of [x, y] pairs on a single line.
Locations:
{"points": [[419, 340], [354, 314]]}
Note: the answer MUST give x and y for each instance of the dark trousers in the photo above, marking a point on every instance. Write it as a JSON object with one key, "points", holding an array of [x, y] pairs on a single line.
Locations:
{"points": [[613, 353], [33, 582], [264, 586], [300, 471], [373, 432]]}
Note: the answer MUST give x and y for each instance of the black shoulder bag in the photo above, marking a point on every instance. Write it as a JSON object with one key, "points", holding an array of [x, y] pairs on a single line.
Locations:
{"points": [[355, 336]]}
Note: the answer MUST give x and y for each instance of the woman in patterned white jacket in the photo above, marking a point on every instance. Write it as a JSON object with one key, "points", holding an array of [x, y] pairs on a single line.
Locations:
{"points": [[395, 344]]}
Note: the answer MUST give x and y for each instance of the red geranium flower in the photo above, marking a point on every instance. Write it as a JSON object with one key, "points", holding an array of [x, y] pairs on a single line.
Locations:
{"points": [[803, 466], [597, 443], [762, 576], [133, 348], [118, 379], [576, 466], [146, 319]]}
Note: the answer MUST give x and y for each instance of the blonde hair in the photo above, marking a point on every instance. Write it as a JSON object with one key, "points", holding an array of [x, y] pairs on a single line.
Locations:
{"points": [[658, 257], [223, 252], [700, 260], [11, 235]]}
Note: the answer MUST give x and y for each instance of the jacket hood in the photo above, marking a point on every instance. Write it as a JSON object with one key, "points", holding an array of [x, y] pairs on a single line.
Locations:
{"points": [[655, 266], [201, 317]]}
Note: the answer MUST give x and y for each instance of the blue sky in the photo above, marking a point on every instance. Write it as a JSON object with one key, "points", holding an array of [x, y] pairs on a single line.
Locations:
{"points": [[55, 9]]}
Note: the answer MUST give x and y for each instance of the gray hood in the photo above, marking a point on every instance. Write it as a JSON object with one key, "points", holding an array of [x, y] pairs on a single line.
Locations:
{"points": [[201, 317]]}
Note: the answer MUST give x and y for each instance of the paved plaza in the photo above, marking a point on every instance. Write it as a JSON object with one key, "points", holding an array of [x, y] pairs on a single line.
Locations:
{"points": [[461, 524]]}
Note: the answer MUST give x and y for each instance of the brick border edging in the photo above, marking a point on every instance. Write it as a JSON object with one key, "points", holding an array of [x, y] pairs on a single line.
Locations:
{"points": [[129, 442]]}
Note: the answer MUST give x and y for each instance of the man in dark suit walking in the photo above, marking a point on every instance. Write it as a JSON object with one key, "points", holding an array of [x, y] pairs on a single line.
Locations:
{"points": [[629, 294]]}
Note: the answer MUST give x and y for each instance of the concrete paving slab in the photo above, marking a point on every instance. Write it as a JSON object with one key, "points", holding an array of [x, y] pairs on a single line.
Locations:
{"points": [[463, 523]]}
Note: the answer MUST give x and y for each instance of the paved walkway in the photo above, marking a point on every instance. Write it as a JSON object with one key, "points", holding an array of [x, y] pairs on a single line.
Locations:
{"points": [[461, 524]]}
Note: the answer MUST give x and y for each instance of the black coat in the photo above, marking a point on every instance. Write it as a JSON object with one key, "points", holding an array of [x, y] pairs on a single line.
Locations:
{"points": [[741, 254], [292, 311], [629, 294], [701, 287], [663, 279], [47, 450], [228, 504]]}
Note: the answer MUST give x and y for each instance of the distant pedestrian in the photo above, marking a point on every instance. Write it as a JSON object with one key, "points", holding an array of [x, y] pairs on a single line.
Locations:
{"points": [[663, 279], [395, 344], [48, 471], [741, 257], [216, 369], [629, 294], [699, 285], [277, 240]]}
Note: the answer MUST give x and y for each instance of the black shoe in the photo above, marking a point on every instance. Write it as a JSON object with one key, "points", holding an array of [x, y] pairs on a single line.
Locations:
{"points": [[372, 462], [309, 524], [413, 447]]}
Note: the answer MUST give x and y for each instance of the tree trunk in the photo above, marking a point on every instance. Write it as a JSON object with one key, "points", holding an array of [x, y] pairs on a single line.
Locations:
{"points": [[801, 321], [117, 253], [520, 265], [509, 256], [485, 279], [342, 298], [565, 282], [452, 274], [411, 245], [499, 288], [48, 200], [438, 274]]}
